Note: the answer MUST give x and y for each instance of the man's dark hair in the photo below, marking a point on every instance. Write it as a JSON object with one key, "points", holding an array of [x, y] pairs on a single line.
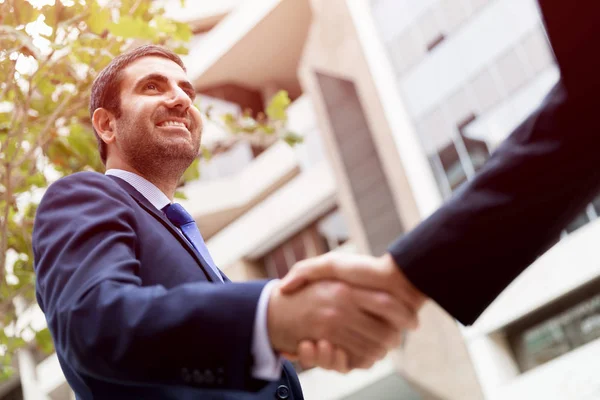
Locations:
{"points": [[106, 89]]}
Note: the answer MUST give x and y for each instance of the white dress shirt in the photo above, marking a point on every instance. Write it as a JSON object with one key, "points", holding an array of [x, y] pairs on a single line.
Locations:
{"points": [[267, 365]]}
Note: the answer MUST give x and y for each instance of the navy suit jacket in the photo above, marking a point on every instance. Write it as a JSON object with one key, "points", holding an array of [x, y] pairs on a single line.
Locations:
{"points": [[131, 306], [534, 184]]}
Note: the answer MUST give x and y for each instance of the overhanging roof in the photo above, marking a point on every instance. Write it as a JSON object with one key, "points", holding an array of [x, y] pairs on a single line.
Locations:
{"points": [[257, 45]]}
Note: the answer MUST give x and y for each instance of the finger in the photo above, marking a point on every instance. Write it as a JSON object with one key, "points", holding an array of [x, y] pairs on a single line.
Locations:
{"points": [[362, 352], [354, 269], [375, 333], [397, 313], [367, 358], [307, 353], [359, 333], [324, 354], [301, 273], [340, 361], [356, 362]]}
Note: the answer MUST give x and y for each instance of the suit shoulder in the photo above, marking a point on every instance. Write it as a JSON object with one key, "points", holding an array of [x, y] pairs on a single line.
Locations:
{"points": [[84, 184], [85, 177]]}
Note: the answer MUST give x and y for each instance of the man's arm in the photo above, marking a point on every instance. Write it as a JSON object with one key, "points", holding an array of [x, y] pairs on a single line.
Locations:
{"points": [[495, 226], [105, 322]]}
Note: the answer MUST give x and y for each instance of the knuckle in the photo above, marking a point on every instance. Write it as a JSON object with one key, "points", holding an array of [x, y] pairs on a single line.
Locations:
{"points": [[390, 340], [367, 363], [340, 290], [385, 301], [329, 320], [381, 353]]}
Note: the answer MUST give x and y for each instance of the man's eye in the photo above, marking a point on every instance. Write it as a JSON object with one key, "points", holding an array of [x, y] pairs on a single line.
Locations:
{"points": [[151, 86]]}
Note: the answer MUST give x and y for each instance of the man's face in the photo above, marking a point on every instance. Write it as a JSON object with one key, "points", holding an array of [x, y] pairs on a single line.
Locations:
{"points": [[159, 126]]}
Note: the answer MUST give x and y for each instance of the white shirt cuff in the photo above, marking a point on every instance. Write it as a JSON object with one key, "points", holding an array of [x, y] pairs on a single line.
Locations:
{"points": [[267, 365]]}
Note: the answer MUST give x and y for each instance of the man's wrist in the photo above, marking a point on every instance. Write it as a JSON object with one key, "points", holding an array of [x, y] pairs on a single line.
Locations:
{"points": [[273, 328], [410, 292], [267, 363]]}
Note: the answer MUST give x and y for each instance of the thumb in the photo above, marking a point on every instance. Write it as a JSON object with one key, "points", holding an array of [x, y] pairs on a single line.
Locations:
{"points": [[291, 283], [305, 272]]}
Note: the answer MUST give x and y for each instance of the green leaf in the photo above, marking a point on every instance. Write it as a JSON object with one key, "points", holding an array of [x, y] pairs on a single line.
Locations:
{"points": [[183, 31], [43, 339], [276, 110], [179, 195], [132, 28], [193, 171], [45, 87], [292, 138], [206, 153], [36, 180], [99, 18], [50, 13], [165, 25], [25, 12]]}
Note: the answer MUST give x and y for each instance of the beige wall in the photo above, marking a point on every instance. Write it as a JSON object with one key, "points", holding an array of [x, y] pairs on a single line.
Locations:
{"points": [[435, 356]]}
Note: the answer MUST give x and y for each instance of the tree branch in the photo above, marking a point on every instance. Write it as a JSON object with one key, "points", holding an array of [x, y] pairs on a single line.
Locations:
{"points": [[7, 303], [4, 222], [10, 82], [43, 136]]}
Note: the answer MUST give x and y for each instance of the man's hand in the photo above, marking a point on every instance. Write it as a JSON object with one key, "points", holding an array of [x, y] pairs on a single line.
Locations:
{"points": [[363, 323], [358, 270]]}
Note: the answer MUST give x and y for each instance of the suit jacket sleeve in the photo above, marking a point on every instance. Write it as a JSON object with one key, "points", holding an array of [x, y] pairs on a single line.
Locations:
{"points": [[496, 225], [104, 321]]}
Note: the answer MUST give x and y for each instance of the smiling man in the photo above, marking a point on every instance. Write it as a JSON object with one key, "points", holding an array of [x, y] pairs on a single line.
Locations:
{"points": [[136, 306]]}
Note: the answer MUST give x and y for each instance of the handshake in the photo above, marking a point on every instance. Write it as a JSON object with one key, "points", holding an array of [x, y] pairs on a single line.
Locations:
{"points": [[342, 311]]}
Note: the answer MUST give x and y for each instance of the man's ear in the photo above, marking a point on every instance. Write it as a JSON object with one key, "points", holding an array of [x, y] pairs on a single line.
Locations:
{"points": [[104, 124]]}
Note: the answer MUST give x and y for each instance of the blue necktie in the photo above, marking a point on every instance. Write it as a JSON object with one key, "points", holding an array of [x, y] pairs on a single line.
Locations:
{"points": [[184, 221]]}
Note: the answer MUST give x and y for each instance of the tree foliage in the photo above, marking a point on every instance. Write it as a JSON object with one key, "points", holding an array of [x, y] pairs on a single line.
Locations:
{"points": [[49, 56]]}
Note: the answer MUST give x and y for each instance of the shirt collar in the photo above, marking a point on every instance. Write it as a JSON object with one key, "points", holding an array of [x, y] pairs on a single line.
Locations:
{"points": [[153, 194]]}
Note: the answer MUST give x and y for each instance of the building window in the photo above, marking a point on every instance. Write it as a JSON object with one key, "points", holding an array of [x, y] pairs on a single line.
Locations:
{"points": [[557, 329], [454, 170], [579, 221], [596, 204], [323, 235]]}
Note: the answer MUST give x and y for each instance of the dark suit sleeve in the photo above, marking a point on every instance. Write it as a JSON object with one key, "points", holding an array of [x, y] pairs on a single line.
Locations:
{"points": [[496, 225], [104, 322]]}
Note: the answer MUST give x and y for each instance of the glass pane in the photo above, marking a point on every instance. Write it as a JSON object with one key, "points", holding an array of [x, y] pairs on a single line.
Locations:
{"points": [[455, 173], [577, 222], [281, 266], [544, 343], [596, 204], [478, 152], [297, 244]]}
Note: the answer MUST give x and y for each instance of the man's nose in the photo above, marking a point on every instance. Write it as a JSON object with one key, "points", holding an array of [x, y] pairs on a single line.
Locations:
{"points": [[179, 98]]}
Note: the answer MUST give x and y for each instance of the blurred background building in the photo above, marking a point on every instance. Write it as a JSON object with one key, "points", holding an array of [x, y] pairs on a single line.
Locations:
{"points": [[399, 102]]}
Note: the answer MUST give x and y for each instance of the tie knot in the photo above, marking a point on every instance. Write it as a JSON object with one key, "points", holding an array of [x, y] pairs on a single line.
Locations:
{"points": [[177, 214]]}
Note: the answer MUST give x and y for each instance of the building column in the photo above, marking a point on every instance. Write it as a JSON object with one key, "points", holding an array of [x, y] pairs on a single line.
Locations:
{"points": [[495, 364], [334, 71], [27, 372]]}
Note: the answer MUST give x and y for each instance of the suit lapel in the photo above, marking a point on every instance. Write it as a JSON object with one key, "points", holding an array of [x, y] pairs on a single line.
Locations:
{"points": [[159, 215]]}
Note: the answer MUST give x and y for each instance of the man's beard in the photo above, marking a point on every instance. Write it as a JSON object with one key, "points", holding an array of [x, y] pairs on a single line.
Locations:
{"points": [[157, 156]]}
